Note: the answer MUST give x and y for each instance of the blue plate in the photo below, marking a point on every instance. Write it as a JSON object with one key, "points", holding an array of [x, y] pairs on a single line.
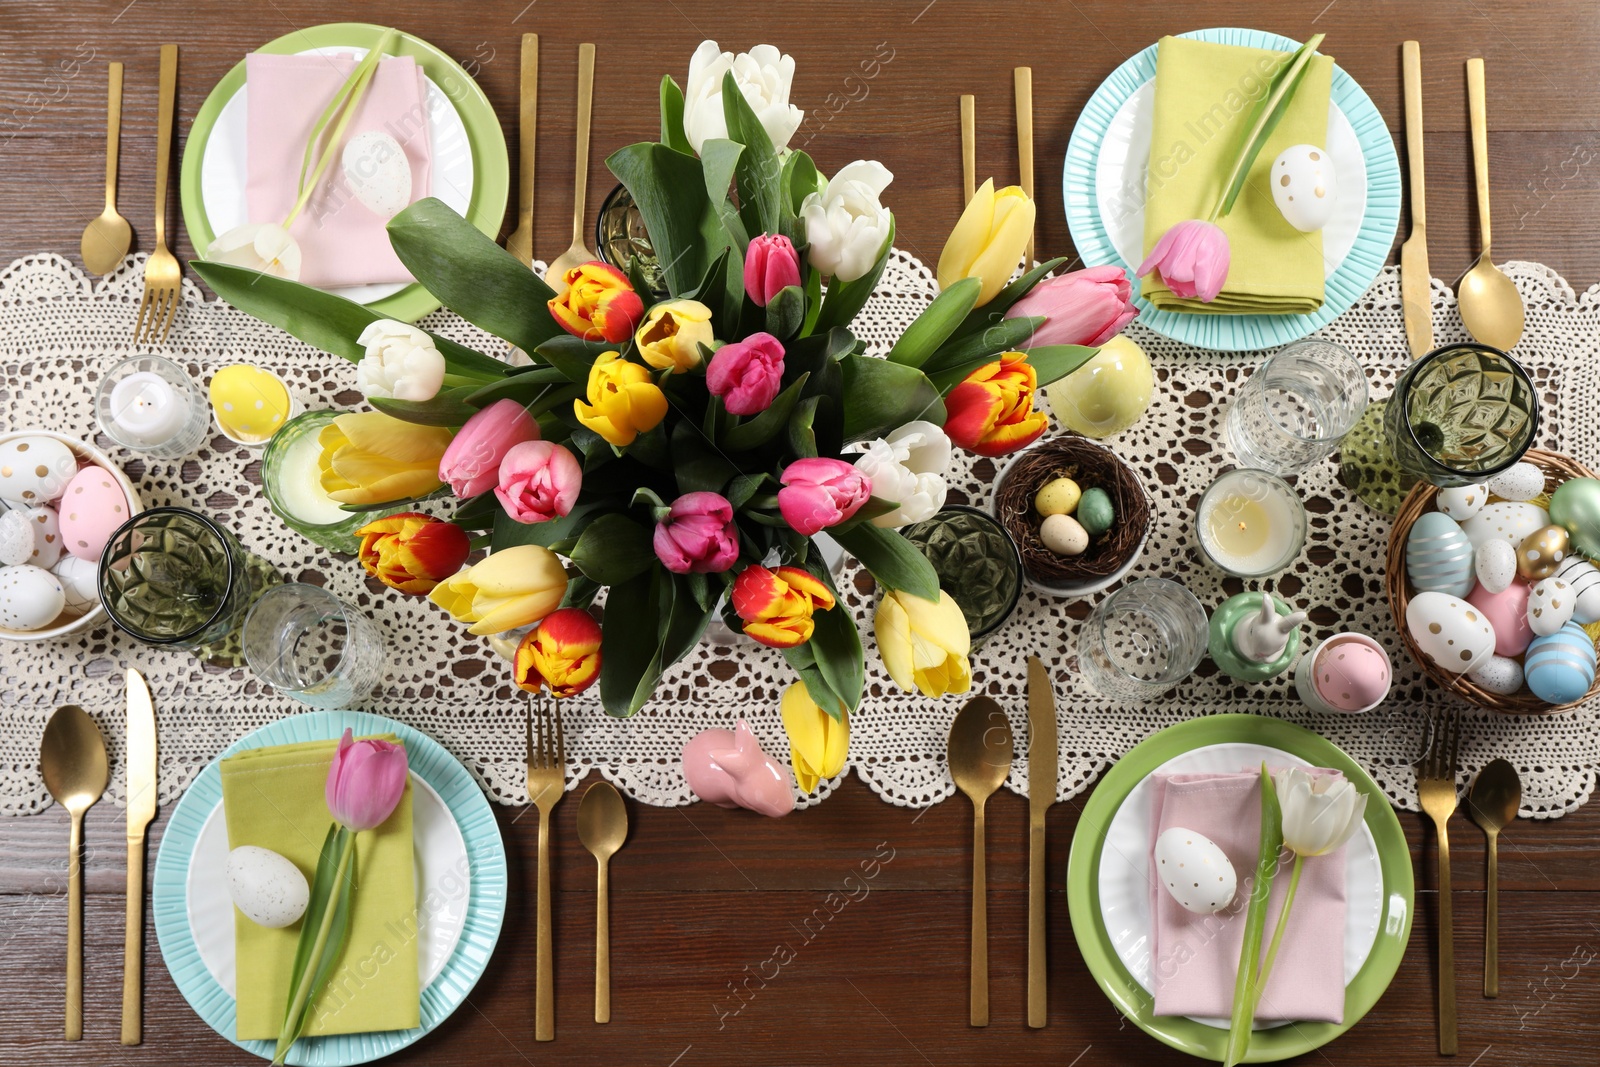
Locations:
{"points": [[485, 910], [1237, 333]]}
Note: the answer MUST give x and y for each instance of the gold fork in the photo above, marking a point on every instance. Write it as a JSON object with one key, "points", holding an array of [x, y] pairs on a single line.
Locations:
{"points": [[547, 782], [162, 275], [1436, 791]]}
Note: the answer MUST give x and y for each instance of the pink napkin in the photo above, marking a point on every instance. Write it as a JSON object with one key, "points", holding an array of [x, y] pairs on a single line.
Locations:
{"points": [[1195, 958], [342, 241]]}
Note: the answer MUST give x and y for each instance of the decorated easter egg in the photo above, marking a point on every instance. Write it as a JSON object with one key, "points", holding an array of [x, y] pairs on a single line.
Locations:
{"points": [[1559, 668], [34, 470], [79, 580], [1542, 552], [1506, 519], [1095, 512], [90, 511], [1499, 674], [1496, 564], [1507, 612], [1108, 393], [248, 402], [1351, 673], [1438, 555], [267, 887], [1304, 186], [1550, 605], [16, 538], [1451, 633], [379, 172], [1576, 505], [45, 529], [1064, 535], [1059, 496], [1462, 502], [1195, 870], [30, 598], [1584, 578], [1520, 481]]}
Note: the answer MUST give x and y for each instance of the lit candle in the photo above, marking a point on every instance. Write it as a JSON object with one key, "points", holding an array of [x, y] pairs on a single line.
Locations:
{"points": [[1251, 523], [297, 488], [146, 410]]}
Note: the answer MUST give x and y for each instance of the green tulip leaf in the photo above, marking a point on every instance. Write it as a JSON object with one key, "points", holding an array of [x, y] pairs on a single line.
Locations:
{"points": [[612, 549], [581, 591], [572, 356], [698, 467], [786, 311], [449, 407], [758, 430], [936, 323], [719, 158], [1255, 922], [477, 513], [672, 134], [669, 189], [759, 171], [804, 661], [508, 532], [966, 354], [895, 562], [881, 396], [1054, 362], [981, 318], [524, 388], [1264, 119], [802, 428], [836, 643]]}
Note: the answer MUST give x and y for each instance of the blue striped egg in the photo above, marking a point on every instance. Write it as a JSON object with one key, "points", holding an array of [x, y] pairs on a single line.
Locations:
{"points": [[1560, 668], [1439, 556]]}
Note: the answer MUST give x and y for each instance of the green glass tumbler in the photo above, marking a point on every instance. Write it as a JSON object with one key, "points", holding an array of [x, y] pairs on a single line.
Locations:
{"points": [[1461, 414], [977, 562]]}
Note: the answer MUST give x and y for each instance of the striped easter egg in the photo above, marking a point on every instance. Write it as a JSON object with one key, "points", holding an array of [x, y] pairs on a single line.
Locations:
{"points": [[1560, 668]]}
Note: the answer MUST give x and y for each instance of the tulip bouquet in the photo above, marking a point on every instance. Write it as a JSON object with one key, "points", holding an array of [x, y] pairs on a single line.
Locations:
{"points": [[681, 453]]}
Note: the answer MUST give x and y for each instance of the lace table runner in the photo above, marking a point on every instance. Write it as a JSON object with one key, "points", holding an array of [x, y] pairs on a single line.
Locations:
{"points": [[60, 329]]}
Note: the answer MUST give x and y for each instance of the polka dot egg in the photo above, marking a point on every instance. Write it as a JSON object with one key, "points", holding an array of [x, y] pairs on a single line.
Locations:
{"points": [[1560, 666], [1195, 871], [1304, 186], [249, 403], [90, 511], [30, 598], [34, 470], [1450, 632]]}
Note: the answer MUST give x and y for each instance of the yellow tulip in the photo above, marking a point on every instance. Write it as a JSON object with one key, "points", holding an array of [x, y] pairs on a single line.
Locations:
{"points": [[817, 741], [988, 239], [623, 401], [372, 458], [514, 587], [672, 334], [924, 643]]}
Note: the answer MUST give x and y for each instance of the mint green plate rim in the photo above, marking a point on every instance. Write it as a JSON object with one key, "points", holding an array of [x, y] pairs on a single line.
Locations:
{"points": [[1083, 895], [491, 166], [486, 905]]}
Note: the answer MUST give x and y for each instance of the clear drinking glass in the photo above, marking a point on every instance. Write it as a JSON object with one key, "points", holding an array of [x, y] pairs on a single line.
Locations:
{"points": [[307, 643], [1295, 408], [1142, 640], [171, 576], [150, 405]]}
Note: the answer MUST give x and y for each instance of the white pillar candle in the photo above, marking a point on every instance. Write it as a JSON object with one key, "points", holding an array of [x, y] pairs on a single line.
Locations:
{"points": [[299, 484], [1251, 523], [146, 410]]}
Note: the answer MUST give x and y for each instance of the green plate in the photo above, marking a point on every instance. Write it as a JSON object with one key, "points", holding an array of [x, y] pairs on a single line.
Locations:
{"points": [[1083, 879], [491, 168]]}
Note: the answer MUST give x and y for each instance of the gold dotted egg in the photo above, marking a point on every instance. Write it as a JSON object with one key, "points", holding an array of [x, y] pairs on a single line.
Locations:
{"points": [[1542, 552]]}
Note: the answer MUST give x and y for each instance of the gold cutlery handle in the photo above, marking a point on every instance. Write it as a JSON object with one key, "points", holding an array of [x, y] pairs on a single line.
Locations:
{"points": [[1477, 111], [979, 981], [527, 132], [133, 946], [1491, 922], [165, 105], [113, 132], [969, 147], [602, 945], [581, 170], [1038, 990], [74, 1028], [544, 995], [1022, 78], [1412, 53], [1447, 948]]}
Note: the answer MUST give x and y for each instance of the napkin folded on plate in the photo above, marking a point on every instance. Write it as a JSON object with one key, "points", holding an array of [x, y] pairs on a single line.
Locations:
{"points": [[342, 241], [1205, 93], [1195, 958], [273, 798]]}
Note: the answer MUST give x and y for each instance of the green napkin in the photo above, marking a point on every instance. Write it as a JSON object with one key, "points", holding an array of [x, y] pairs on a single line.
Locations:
{"points": [[273, 797], [1204, 96]]}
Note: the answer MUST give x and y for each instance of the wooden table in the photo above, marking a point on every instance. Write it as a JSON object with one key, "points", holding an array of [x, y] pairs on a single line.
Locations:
{"points": [[744, 941]]}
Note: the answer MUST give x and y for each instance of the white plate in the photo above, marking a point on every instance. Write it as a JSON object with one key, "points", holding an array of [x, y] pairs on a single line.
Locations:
{"points": [[1125, 868], [443, 888], [224, 166], [1122, 169]]}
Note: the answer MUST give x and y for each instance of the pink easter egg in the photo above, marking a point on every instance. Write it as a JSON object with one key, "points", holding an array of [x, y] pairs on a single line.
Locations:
{"points": [[1351, 675], [1507, 612], [91, 509]]}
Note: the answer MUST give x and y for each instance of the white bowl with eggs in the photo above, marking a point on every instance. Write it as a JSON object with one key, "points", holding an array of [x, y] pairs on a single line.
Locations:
{"points": [[71, 620]]}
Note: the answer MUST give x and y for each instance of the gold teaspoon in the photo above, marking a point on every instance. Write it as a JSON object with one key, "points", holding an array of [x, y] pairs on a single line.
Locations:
{"points": [[72, 758], [602, 827]]}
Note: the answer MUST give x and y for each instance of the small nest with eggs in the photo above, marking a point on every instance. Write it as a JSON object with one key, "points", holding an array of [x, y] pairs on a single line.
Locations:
{"points": [[1091, 466]]}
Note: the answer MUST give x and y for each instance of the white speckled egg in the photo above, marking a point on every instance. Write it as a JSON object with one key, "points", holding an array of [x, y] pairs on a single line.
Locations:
{"points": [[1499, 674], [34, 470], [1064, 535], [1496, 564], [1438, 555], [45, 529], [30, 598], [379, 172], [80, 580], [1559, 668], [1304, 186], [1195, 871], [1506, 519], [1520, 481], [1450, 632], [91, 510], [1550, 605], [16, 538], [269, 889], [1584, 578], [1462, 502]]}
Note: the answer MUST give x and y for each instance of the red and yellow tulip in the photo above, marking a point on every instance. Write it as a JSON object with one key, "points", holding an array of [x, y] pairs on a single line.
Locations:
{"points": [[597, 303], [412, 552], [623, 401], [561, 654], [777, 606], [991, 411]]}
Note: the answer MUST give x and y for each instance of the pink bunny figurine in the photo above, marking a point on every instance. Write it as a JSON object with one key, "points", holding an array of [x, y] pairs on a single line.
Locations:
{"points": [[728, 768]]}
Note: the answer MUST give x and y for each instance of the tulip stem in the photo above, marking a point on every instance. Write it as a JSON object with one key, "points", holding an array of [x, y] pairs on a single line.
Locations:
{"points": [[352, 91], [1260, 983], [294, 1019]]}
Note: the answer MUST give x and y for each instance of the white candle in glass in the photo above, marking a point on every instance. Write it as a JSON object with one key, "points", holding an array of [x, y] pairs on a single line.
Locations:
{"points": [[299, 484], [1251, 523], [146, 410]]}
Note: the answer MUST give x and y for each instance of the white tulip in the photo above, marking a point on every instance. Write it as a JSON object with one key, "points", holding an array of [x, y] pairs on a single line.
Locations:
{"points": [[263, 246], [846, 223], [763, 76], [907, 467], [1320, 812], [401, 362]]}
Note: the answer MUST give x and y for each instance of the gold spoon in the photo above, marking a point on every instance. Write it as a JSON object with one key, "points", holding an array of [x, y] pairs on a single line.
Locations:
{"points": [[602, 827], [107, 239], [979, 753], [520, 243], [72, 758], [1496, 795], [1491, 307], [578, 254]]}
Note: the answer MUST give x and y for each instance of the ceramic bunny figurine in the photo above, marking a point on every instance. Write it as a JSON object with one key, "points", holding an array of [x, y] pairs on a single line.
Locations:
{"points": [[1262, 637], [728, 768]]}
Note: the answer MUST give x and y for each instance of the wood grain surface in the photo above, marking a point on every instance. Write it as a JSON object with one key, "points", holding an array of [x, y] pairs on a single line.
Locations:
{"points": [[702, 899]]}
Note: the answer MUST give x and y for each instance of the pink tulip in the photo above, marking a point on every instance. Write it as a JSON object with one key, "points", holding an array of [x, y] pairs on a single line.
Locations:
{"points": [[539, 481], [366, 781], [747, 374], [770, 265], [819, 493], [1191, 258], [471, 463], [698, 535], [1082, 307]]}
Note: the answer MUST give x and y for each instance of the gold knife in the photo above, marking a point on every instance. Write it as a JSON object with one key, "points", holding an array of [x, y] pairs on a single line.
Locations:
{"points": [[1416, 294], [1042, 760], [140, 758]]}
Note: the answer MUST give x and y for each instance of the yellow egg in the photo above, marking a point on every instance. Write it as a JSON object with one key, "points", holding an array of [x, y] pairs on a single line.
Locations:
{"points": [[249, 403], [1107, 394], [1059, 496]]}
